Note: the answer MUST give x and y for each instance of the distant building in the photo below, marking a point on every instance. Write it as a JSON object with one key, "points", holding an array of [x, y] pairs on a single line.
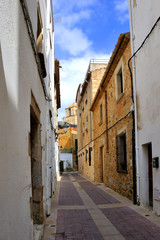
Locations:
{"points": [[71, 114], [145, 28], [113, 123], [84, 97], [68, 140]]}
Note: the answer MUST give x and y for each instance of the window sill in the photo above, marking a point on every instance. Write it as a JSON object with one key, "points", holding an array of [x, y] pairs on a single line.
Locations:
{"points": [[119, 97], [122, 171], [100, 123]]}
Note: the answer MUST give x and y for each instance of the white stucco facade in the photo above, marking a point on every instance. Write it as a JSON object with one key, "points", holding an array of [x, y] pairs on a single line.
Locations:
{"points": [[146, 73], [67, 160], [20, 82]]}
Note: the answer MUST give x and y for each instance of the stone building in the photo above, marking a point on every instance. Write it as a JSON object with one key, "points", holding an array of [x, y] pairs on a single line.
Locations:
{"points": [[68, 139], [145, 28], [27, 139], [113, 123], [68, 142], [84, 97], [71, 114]]}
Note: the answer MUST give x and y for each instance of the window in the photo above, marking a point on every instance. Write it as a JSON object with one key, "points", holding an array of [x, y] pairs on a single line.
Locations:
{"points": [[83, 106], [83, 128], [101, 113], [86, 98], [121, 153], [119, 83], [90, 149], [87, 124], [86, 154], [69, 111], [39, 31]]}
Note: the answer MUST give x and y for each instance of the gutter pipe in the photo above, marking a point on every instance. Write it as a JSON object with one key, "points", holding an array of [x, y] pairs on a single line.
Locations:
{"points": [[134, 93]]}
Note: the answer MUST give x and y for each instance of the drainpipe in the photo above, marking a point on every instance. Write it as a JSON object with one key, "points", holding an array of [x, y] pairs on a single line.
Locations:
{"points": [[90, 113], [135, 105]]}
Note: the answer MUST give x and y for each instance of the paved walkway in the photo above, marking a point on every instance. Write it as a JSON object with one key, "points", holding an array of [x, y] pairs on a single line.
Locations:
{"points": [[83, 210]]}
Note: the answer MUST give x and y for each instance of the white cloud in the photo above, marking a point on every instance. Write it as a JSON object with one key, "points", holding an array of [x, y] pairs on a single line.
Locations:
{"points": [[123, 18], [72, 74], [72, 40], [69, 5], [121, 6], [76, 17], [67, 35]]}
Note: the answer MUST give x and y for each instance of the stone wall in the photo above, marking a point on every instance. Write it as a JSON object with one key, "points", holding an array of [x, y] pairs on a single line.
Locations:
{"points": [[116, 118]]}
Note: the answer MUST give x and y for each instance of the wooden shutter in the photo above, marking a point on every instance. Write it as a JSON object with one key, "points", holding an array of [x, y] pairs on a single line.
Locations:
{"points": [[90, 149]]}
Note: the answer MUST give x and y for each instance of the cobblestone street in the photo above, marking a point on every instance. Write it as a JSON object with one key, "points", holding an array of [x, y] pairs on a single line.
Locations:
{"points": [[84, 210]]}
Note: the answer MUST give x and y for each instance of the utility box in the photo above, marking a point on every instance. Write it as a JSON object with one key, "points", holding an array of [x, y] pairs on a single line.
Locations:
{"points": [[155, 162], [156, 194]]}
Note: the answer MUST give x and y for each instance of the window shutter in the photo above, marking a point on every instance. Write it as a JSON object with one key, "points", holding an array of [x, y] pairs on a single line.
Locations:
{"points": [[90, 149], [117, 151], [86, 154]]}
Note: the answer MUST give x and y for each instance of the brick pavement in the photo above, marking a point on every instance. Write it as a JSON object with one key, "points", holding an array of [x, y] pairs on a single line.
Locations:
{"points": [[65, 177], [76, 224], [86, 211], [78, 177], [131, 224], [68, 194], [96, 194]]}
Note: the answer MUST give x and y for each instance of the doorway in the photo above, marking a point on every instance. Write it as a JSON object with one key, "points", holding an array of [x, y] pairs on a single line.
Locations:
{"points": [[147, 175], [102, 164], [36, 169]]}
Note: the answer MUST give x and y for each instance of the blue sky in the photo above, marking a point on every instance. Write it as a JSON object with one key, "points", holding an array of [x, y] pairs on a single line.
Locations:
{"points": [[84, 30]]}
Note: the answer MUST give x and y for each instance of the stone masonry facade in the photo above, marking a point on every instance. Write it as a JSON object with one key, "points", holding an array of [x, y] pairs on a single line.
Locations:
{"points": [[113, 123], [85, 95]]}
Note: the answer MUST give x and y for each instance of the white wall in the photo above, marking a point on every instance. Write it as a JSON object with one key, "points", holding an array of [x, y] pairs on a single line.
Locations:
{"points": [[18, 77], [143, 15], [66, 158]]}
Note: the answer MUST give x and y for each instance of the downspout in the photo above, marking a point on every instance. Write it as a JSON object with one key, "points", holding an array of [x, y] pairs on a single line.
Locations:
{"points": [[90, 113], [134, 114]]}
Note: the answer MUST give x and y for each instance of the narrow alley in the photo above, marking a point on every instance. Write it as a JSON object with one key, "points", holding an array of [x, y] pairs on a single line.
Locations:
{"points": [[84, 210]]}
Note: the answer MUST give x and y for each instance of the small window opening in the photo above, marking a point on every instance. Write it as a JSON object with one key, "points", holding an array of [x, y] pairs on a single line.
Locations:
{"points": [[120, 82], [121, 153], [101, 113], [39, 31]]}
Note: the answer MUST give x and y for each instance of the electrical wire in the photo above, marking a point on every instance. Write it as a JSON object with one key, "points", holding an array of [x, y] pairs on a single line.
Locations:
{"points": [[138, 51], [128, 114]]}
